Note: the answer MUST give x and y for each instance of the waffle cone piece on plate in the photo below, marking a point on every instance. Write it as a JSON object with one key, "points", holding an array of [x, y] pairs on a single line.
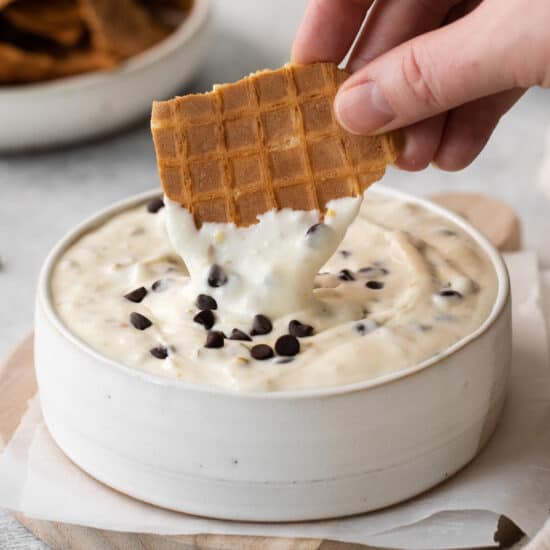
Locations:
{"points": [[122, 28], [58, 20], [17, 65], [268, 141]]}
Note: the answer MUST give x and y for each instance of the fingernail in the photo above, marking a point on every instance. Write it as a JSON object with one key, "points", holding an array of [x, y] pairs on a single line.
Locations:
{"points": [[363, 108]]}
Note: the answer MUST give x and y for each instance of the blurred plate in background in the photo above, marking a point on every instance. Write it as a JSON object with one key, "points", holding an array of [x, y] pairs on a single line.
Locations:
{"points": [[67, 110]]}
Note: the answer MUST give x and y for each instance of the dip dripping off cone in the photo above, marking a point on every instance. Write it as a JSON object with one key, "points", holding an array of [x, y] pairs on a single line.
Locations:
{"points": [[268, 141]]}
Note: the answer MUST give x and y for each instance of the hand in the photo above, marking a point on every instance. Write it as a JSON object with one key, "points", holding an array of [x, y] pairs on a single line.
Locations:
{"points": [[444, 70]]}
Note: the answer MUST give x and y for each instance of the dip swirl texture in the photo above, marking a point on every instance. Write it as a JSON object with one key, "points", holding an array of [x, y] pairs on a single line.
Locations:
{"points": [[402, 286]]}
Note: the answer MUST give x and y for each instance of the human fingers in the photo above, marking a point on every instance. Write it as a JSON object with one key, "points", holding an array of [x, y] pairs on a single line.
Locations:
{"points": [[421, 142], [428, 75], [392, 22], [469, 128], [328, 29]]}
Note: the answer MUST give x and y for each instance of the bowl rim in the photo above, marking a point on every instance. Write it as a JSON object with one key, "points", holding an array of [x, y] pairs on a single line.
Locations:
{"points": [[43, 300], [189, 26]]}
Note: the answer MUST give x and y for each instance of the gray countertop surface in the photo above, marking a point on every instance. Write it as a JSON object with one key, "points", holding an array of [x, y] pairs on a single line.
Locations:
{"points": [[43, 195]]}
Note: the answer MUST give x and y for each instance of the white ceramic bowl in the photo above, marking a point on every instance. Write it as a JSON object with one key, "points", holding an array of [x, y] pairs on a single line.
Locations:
{"points": [[66, 110], [287, 456]]}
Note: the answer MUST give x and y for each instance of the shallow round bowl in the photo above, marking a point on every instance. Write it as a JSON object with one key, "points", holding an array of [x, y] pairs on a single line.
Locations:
{"points": [[67, 110], [287, 456]]}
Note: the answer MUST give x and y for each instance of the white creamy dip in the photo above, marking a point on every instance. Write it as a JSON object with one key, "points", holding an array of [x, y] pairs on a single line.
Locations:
{"points": [[403, 285], [269, 266]]}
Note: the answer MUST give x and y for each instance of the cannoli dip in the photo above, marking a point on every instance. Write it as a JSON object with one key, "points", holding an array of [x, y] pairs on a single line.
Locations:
{"points": [[288, 303]]}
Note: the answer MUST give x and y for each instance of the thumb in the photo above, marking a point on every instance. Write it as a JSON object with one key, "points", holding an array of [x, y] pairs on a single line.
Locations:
{"points": [[428, 75]]}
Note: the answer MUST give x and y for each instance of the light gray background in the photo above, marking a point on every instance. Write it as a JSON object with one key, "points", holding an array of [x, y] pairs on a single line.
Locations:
{"points": [[44, 195]]}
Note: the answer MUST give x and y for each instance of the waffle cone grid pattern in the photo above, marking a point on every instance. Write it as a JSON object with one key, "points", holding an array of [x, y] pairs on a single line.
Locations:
{"points": [[268, 141]]}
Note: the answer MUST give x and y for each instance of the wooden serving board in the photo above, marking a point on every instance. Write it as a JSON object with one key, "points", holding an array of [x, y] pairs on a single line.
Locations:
{"points": [[18, 384]]}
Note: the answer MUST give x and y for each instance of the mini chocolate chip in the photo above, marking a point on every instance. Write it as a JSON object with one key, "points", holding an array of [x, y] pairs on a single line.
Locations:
{"points": [[136, 295], [206, 302], [216, 276], [374, 285], [447, 232], [314, 228], [300, 330], [450, 293], [139, 321], [160, 352], [214, 339], [205, 318], [261, 325], [154, 205], [261, 352], [161, 285], [287, 345], [420, 327], [366, 326], [374, 271], [346, 275], [237, 334], [319, 233], [344, 253], [283, 360]]}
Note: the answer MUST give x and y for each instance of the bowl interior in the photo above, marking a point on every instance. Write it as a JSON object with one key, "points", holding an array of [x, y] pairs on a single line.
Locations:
{"points": [[502, 297]]}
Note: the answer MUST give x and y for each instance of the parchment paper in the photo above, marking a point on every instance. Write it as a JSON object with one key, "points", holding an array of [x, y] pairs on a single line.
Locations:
{"points": [[510, 477]]}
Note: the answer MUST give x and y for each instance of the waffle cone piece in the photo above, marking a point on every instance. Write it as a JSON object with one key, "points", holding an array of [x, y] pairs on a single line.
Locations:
{"points": [[122, 28], [268, 141], [58, 20]]}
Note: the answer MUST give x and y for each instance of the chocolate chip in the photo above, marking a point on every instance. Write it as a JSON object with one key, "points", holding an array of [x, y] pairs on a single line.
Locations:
{"points": [[139, 321], [314, 228], [283, 360], [160, 352], [377, 271], [136, 295], [344, 253], [206, 302], [261, 352], [450, 293], [319, 234], [366, 326], [161, 285], [216, 276], [447, 232], [300, 330], [374, 285], [420, 327], [261, 325], [214, 339], [205, 318], [287, 345], [346, 275], [154, 205], [237, 334]]}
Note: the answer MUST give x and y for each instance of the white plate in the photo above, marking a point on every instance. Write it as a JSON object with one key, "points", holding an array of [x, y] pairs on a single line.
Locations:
{"points": [[63, 111]]}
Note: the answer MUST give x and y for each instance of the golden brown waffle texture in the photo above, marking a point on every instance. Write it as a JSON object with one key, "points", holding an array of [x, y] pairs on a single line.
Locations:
{"points": [[268, 141]]}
